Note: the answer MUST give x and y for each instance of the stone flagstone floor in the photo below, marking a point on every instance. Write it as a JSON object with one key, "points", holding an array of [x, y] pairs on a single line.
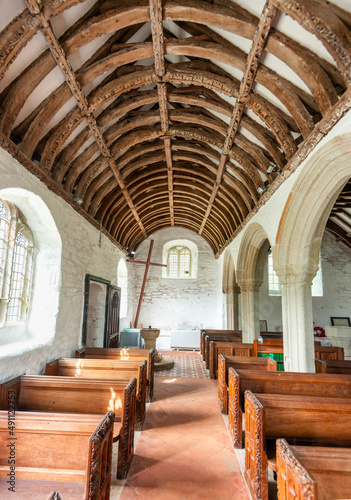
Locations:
{"points": [[184, 450]]}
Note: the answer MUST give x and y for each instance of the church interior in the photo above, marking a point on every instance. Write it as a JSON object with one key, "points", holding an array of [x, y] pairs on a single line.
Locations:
{"points": [[180, 167]]}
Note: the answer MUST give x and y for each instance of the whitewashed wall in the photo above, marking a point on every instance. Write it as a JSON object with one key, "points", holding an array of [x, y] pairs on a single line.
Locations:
{"points": [[80, 255], [336, 299], [177, 304], [336, 271]]}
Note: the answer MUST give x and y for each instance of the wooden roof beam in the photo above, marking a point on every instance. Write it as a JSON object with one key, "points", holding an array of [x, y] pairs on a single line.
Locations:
{"points": [[246, 84], [35, 9], [156, 16]]}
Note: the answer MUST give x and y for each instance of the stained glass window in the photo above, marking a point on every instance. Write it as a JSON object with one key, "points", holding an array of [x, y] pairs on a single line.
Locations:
{"points": [[179, 262]]}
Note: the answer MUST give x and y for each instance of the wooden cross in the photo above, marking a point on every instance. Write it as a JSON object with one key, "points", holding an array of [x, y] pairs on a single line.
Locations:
{"points": [[148, 263]]}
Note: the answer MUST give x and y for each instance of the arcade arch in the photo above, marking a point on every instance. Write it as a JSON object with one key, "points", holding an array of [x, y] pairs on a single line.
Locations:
{"points": [[296, 252]]}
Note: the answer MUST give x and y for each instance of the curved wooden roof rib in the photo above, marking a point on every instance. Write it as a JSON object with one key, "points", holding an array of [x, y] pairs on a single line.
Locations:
{"points": [[181, 144]]}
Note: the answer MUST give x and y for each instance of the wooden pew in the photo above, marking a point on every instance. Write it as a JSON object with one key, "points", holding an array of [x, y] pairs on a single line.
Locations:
{"points": [[99, 369], [316, 420], [73, 395], [313, 472], [270, 347], [328, 353], [321, 352], [265, 382], [238, 362], [217, 337], [341, 366], [57, 447], [227, 349], [271, 335], [216, 333], [124, 354]]}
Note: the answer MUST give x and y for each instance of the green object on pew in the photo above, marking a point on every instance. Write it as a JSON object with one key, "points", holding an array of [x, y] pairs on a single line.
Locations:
{"points": [[278, 357]]}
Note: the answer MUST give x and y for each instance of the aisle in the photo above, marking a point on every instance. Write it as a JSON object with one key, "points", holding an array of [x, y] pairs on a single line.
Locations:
{"points": [[184, 450]]}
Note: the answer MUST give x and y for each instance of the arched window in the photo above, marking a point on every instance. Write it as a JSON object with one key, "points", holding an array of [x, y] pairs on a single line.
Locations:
{"points": [[273, 280], [16, 253], [179, 262], [4, 231], [122, 281]]}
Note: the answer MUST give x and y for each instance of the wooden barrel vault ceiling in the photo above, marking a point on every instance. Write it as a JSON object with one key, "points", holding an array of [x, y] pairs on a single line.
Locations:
{"points": [[145, 115]]}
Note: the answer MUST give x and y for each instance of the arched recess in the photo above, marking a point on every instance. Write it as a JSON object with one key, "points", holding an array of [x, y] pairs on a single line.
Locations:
{"points": [[122, 282], [40, 326], [252, 258], [299, 236], [231, 290]]}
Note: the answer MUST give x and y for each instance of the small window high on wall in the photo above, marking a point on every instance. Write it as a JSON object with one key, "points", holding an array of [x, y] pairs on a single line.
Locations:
{"points": [[16, 252], [181, 258], [179, 262]]}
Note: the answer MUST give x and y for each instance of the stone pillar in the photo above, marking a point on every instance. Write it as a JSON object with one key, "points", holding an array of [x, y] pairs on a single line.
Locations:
{"points": [[229, 310], [232, 306], [236, 292], [250, 318], [297, 321]]}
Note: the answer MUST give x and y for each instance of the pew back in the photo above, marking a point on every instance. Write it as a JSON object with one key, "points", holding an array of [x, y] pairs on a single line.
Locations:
{"points": [[73, 395], [238, 362], [321, 420], [124, 354], [61, 447], [264, 382], [99, 369], [234, 337], [226, 349], [328, 353], [342, 367], [214, 333]]}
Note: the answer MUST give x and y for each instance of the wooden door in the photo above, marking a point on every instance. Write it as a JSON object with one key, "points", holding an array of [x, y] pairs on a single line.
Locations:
{"points": [[113, 316]]}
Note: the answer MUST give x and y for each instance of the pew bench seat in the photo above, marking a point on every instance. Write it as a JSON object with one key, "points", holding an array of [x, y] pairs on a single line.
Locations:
{"points": [[70, 453], [313, 472], [124, 354], [44, 393], [109, 369]]}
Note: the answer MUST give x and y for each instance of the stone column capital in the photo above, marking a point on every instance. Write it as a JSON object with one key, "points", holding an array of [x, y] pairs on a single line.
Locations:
{"points": [[296, 274], [230, 289], [249, 285]]}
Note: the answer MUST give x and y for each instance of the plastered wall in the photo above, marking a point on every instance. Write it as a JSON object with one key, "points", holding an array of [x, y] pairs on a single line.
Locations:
{"points": [[177, 304], [81, 255], [336, 299]]}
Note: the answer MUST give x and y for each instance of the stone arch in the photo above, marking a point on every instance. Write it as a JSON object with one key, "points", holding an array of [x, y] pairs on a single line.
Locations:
{"points": [[311, 200], [251, 261], [252, 253], [231, 291], [299, 236]]}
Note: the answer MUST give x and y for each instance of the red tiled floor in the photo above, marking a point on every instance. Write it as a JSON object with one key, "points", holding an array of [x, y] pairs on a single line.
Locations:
{"points": [[184, 450]]}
